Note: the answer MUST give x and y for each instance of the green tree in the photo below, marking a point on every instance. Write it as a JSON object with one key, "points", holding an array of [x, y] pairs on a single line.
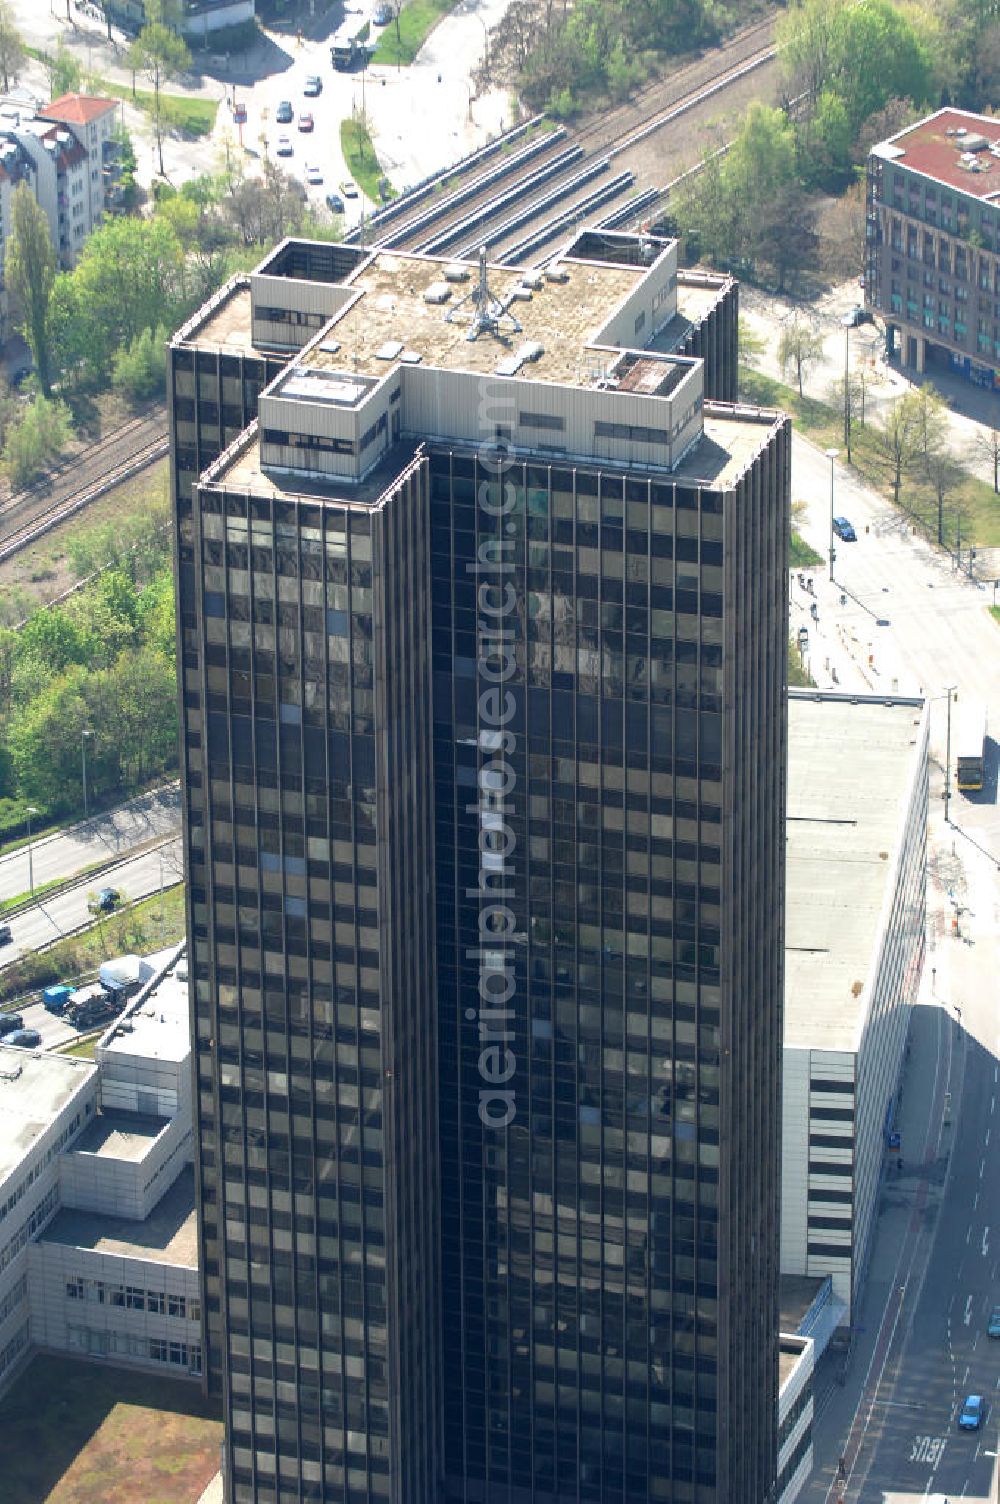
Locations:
{"points": [[864, 51], [799, 347], [130, 278], [930, 418], [988, 448], [30, 273], [12, 53], [65, 73], [140, 368], [35, 440], [160, 54]]}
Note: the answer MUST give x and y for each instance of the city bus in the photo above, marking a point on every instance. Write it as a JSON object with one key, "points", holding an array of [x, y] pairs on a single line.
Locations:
{"points": [[971, 747]]}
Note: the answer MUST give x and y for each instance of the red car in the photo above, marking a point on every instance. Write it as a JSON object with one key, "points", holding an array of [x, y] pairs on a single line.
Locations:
{"points": [[305, 121]]}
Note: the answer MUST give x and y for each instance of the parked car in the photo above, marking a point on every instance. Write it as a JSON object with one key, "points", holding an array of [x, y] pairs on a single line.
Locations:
{"points": [[284, 114], [9, 1022], [284, 147], [306, 121], [5, 934], [349, 188], [313, 175], [844, 530], [382, 14], [993, 1328], [313, 86], [24, 1039], [107, 900], [970, 1417], [335, 203]]}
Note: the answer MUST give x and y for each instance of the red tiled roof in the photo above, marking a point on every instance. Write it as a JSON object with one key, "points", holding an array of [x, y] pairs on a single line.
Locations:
{"points": [[78, 109], [933, 146]]}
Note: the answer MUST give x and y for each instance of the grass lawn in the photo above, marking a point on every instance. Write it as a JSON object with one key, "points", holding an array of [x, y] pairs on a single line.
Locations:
{"points": [[802, 555], [971, 501], [797, 676], [138, 927], [82, 1050], [416, 20], [6, 904], [995, 613], [191, 116], [359, 154], [83, 1433]]}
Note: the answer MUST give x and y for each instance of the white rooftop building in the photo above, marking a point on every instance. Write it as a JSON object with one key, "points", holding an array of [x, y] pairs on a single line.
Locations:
{"points": [[854, 948], [98, 1237]]}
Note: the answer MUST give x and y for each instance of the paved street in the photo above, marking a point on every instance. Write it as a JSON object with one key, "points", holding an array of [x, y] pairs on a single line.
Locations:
{"points": [[101, 838], [135, 877], [920, 1343]]}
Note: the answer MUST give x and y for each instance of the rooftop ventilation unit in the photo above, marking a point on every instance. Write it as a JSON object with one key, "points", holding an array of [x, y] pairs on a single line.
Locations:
{"points": [[960, 130], [411, 357], [532, 349], [437, 292], [391, 350], [510, 365], [456, 271], [330, 346], [534, 280], [556, 273], [522, 293]]}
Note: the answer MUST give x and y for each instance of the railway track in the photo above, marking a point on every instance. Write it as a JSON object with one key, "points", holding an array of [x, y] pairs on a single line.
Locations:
{"points": [[29, 514], [520, 204]]}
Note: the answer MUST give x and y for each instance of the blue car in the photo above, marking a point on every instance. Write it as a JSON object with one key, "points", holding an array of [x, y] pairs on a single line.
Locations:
{"points": [[844, 530], [970, 1416], [993, 1329]]}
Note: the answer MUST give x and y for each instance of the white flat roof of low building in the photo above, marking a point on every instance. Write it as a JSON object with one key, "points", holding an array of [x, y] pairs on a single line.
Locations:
{"points": [[852, 762], [35, 1087], [157, 1026]]}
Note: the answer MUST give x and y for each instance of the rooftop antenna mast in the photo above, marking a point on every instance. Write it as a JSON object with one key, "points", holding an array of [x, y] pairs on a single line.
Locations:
{"points": [[488, 311]]}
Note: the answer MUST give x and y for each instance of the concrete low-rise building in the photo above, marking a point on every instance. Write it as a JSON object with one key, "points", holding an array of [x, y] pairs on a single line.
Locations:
{"points": [[98, 1236], [796, 1359], [854, 937]]}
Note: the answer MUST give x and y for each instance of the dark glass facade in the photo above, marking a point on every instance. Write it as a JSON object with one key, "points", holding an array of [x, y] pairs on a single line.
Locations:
{"points": [[610, 1256], [484, 801]]}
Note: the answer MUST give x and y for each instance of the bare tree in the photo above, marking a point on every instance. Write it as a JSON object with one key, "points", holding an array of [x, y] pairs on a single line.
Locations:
{"points": [[931, 418], [988, 446], [944, 474], [799, 347], [899, 438]]}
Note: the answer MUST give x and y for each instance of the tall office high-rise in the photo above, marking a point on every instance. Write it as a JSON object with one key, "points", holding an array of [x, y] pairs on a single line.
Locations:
{"points": [[482, 634]]}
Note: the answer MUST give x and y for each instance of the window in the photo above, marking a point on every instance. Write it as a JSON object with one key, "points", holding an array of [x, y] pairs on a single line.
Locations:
{"points": [[158, 1349], [135, 1298], [540, 420], [176, 1305], [636, 433], [74, 1289], [156, 1302]]}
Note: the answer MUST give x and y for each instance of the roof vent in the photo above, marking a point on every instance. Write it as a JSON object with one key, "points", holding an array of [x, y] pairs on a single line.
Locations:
{"points": [[437, 292], [510, 365], [556, 273], [411, 357], [390, 350], [976, 143], [534, 280], [960, 130], [456, 271], [521, 293], [330, 346], [532, 349]]}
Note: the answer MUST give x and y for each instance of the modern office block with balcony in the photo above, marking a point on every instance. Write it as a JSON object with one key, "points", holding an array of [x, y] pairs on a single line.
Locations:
{"points": [[482, 640], [932, 264]]}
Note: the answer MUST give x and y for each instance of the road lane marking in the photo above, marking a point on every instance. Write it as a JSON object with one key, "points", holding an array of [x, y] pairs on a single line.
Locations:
{"points": [[968, 1235], [986, 1140], [928, 1449], [993, 1101], [986, 1241], [976, 1201], [968, 1311], [982, 1169]]}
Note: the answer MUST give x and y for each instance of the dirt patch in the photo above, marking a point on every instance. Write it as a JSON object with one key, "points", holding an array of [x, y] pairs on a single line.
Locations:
{"points": [[42, 571], [81, 1433]]}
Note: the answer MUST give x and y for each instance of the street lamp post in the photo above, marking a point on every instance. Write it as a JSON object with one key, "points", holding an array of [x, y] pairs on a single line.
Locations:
{"points": [[84, 734], [831, 455], [846, 321], [31, 810], [949, 690]]}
